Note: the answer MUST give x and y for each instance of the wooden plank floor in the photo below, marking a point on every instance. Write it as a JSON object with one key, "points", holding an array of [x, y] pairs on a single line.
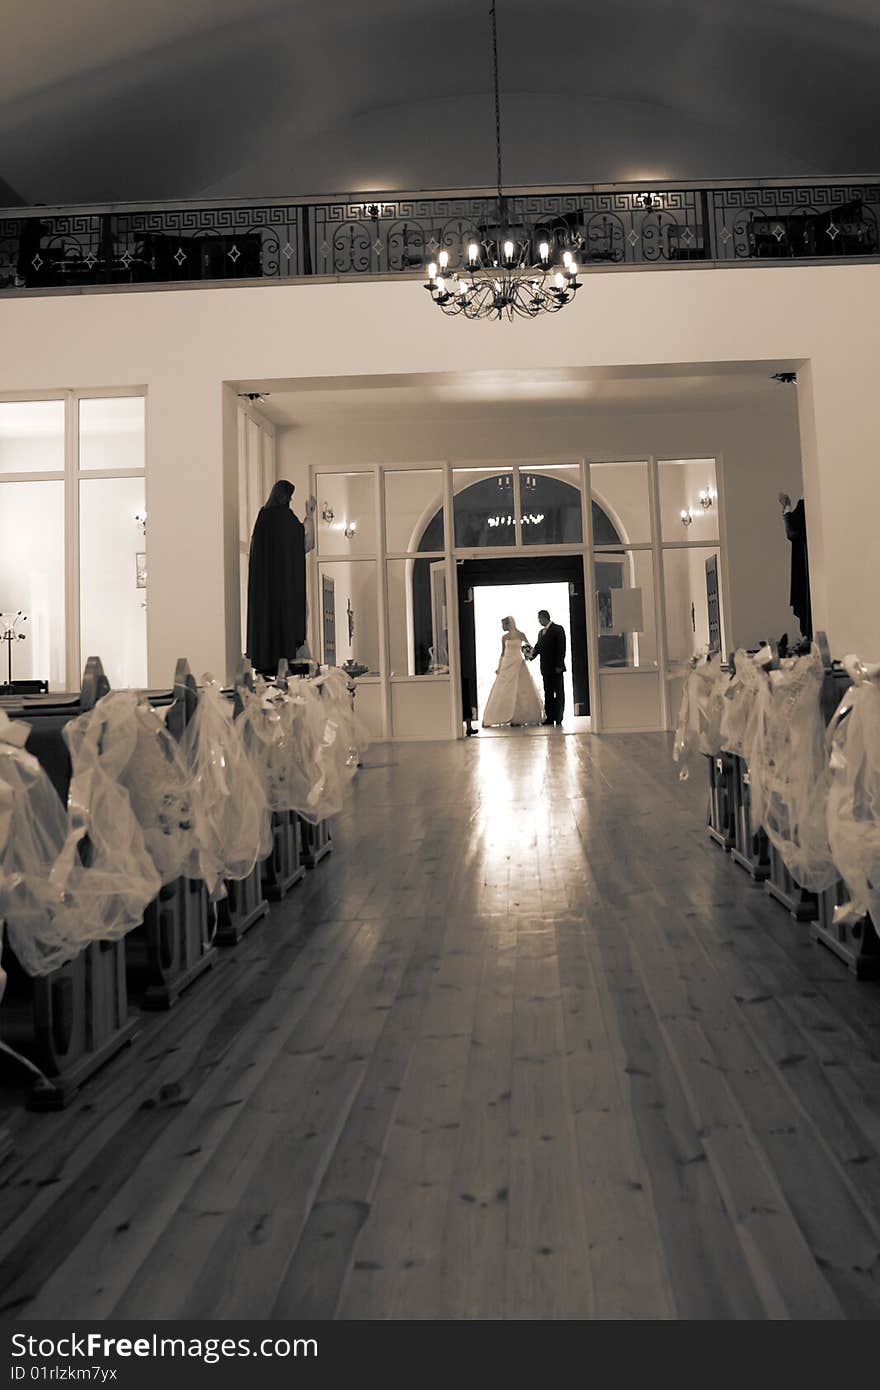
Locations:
{"points": [[527, 1045]]}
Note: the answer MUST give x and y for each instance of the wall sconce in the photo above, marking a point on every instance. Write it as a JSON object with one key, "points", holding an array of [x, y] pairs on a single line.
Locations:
{"points": [[707, 497], [327, 512], [687, 516], [141, 521], [349, 530]]}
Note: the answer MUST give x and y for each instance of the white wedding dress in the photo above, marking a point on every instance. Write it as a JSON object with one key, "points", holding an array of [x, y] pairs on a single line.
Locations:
{"points": [[514, 697]]}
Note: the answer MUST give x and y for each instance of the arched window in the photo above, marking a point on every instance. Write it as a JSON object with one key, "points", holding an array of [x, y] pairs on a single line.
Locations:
{"points": [[555, 502]]}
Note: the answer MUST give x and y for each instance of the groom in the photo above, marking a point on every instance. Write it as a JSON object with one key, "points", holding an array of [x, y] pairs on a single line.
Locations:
{"points": [[550, 647]]}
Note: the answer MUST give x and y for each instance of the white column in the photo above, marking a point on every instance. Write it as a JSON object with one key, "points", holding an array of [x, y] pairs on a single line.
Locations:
{"points": [[839, 406], [186, 592]]}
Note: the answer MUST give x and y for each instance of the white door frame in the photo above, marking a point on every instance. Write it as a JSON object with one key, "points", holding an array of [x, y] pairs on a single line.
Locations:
{"points": [[452, 554]]}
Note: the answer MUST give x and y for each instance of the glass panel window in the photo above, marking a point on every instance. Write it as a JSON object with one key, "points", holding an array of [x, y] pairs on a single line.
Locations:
{"points": [[484, 507], [414, 510], [345, 521], [348, 612], [268, 464], [244, 526], [550, 503], [243, 597], [625, 609], [111, 433], [417, 617], [254, 472], [621, 504], [113, 578], [688, 500], [694, 617], [32, 580], [31, 437]]}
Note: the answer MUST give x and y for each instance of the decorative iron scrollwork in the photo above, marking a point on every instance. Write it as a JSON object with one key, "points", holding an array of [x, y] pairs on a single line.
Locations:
{"points": [[613, 226]]}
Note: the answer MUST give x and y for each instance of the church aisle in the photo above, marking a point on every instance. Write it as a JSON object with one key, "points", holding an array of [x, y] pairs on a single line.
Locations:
{"points": [[526, 1045]]}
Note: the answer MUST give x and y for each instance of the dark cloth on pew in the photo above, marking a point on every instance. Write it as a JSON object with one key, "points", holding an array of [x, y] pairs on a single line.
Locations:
{"points": [[276, 615], [796, 531], [46, 744]]}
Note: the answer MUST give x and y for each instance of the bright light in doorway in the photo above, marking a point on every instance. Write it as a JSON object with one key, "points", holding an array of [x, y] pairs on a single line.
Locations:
{"points": [[492, 602]]}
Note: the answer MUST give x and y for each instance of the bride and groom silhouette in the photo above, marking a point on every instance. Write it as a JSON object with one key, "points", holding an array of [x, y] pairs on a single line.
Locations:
{"points": [[514, 697]]}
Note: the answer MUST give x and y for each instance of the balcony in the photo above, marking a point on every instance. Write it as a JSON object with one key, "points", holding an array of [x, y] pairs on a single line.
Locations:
{"points": [[617, 227]]}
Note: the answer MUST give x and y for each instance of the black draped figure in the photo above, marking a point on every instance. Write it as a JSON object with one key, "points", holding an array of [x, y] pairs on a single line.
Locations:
{"points": [[795, 519], [276, 611]]}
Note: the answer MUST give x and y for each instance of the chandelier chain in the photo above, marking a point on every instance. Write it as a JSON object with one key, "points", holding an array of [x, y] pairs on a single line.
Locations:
{"points": [[497, 95], [507, 266]]}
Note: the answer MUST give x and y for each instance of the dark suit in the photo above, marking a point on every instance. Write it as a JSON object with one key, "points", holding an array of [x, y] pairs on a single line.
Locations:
{"points": [[550, 649]]}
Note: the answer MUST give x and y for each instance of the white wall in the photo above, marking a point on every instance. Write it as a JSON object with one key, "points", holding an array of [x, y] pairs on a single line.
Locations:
{"points": [[183, 344]]}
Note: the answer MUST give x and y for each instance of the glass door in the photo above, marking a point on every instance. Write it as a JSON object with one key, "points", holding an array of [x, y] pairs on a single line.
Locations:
{"points": [[658, 578], [627, 687]]}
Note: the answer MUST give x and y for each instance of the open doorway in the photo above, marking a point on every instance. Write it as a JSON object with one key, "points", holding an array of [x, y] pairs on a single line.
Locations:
{"points": [[489, 590], [492, 602]]}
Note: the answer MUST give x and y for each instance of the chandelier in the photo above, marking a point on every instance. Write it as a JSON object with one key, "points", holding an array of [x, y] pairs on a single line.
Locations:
{"points": [[507, 269]]}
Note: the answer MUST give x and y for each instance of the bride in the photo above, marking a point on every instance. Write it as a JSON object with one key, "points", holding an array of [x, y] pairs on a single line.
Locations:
{"points": [[514, 698]]}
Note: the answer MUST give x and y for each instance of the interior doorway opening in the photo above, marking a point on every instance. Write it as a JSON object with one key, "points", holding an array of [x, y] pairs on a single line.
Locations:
{"points": [[491, 589], [492, 602]]}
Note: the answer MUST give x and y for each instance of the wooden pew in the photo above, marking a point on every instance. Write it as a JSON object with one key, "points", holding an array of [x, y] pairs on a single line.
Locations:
{"points": [[284, 868], [781, 885], [750, 848], [853, 941], [856, 943], [317, 841], [720, 820], [244, 904], [72, 1021], [172, 947]]}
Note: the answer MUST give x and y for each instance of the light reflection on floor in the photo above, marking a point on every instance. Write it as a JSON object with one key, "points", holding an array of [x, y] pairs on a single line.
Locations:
{"points": [[571, 724], [519, 786]]}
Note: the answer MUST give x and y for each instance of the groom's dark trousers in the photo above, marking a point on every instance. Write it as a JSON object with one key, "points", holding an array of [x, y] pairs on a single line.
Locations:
{"points": [[550, 650]]}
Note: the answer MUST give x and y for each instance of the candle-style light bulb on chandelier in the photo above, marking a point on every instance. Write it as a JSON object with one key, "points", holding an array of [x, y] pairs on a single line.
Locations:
{"points": [[506, 269]]}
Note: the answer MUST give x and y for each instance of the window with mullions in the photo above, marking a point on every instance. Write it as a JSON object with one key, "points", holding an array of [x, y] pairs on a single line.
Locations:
{"points": [[484, 507], [550, 505], [256, 475], [692, 588], [688, 500], [345, 520], [73, 522], [414, 511], [625, 616]]}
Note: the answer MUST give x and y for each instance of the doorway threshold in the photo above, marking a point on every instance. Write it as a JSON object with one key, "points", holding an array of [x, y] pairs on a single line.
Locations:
{"points": [[576, 724]]}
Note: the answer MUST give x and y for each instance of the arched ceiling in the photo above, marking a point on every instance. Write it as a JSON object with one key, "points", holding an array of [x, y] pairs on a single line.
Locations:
{"points": [[103, 100]]}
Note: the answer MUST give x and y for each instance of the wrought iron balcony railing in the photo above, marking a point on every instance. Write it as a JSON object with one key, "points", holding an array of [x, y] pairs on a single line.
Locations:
{"points": [[618, 226]]}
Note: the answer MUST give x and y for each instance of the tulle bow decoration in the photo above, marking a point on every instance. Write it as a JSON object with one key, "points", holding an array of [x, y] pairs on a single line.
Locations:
{"points": [[853, 811], [68, 876], [229, 802], [125, 737], [785, 752], [698, 729]]}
